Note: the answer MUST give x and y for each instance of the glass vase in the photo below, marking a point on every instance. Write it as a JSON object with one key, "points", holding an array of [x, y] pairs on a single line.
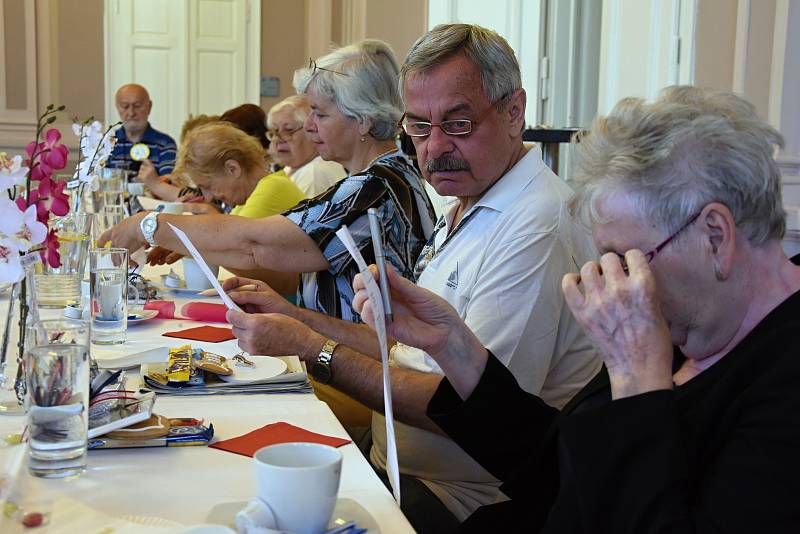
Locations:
{"points": [[57, 287]]}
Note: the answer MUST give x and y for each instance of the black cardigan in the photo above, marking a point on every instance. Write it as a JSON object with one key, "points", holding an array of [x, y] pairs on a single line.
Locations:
{"points": [[720, 453]]}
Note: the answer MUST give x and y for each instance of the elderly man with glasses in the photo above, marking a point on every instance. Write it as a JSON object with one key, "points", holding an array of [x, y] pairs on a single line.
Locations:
{"points": [[497, 256], [295, 151]]}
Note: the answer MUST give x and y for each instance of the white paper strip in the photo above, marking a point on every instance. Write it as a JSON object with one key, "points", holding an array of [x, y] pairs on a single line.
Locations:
{"points": [[374, 295], [204, 267]]}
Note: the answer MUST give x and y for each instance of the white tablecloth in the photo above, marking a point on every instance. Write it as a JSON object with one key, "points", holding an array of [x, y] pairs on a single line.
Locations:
{"points": [[184, 483]]}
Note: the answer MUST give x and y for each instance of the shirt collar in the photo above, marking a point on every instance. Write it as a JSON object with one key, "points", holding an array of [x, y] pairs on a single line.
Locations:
{"points": [[122, 135], [508, 188]]}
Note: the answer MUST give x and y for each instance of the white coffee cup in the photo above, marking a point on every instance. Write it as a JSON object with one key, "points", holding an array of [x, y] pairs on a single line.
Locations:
{"points": [[299, 483], [194, 277]]}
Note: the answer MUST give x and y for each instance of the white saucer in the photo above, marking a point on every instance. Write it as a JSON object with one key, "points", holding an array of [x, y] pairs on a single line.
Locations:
{"points": [[181, 288], [346, 510], [141, 316], [266, 367]]}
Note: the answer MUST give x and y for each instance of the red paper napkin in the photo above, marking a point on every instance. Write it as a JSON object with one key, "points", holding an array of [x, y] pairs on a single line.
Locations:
{"points": [[249, 443], [211, 334]]}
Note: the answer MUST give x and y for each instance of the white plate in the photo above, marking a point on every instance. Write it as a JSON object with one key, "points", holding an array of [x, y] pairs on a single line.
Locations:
{"points": [[141, 316], [346, 510], [266, 367]]}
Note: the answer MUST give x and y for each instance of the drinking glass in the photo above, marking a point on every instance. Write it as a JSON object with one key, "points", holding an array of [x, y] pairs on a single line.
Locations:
{"points": [[109, 295], [108, 217], [57, 287], [57, 377], [112, 184]]}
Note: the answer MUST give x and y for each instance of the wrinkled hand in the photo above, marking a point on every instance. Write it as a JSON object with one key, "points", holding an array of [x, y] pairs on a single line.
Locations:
{"points": [[262, 299], [148, 174], [162, 256], [421, 318], [273, 334], [621, 314], [126, 234]]}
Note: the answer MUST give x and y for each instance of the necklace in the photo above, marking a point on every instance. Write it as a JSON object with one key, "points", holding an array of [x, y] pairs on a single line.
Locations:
{"points": [[379, 156]]}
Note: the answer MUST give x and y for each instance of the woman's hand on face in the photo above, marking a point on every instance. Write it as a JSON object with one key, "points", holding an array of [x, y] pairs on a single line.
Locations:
{"points": [[622, 316]]}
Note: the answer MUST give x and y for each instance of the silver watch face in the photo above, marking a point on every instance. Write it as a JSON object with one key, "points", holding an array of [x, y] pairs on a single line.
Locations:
{"points": [[150, 224]]}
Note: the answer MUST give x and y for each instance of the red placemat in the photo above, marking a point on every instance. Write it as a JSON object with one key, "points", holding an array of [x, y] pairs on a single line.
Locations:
{"points": [[248, 444], [211, 334]]}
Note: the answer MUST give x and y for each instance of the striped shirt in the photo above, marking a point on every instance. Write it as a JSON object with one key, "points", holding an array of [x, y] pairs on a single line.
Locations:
{"points": [[395, 189], [162, 151]]}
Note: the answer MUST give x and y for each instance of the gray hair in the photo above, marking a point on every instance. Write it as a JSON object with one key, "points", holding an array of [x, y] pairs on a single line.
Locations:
{"points": [[361, 79], [690, 147], [298, 103], [491, 54]]}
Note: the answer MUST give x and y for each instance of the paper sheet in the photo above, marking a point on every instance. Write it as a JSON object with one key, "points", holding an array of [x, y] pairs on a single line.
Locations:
{"points": [[374, 295], [204, 267]]}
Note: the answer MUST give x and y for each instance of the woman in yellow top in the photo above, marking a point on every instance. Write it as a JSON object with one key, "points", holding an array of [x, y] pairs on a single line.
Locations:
{"points": [[227, 164]]}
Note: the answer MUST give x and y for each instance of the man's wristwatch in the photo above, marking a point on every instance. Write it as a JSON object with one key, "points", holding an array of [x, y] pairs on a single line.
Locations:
{"points": [[148, 226], [321, 368]]}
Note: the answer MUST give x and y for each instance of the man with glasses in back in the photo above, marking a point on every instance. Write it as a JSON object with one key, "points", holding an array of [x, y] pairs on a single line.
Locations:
{"points": [[295, 151], [497, 256]]}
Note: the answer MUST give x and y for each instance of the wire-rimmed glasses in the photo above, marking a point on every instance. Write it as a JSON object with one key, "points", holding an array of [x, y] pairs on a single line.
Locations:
{"points": [[312, 65], [283, 134], [416, 128]]}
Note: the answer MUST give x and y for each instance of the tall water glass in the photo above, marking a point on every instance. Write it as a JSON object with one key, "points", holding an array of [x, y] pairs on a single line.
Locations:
{"points": [[109, 295], [105, 219], [112, 184], [57, 377]]}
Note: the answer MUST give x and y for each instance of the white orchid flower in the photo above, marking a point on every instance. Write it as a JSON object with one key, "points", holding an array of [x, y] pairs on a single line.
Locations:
{"points": [[31, 232], [10, 267], [12, 172], [12, 219]]}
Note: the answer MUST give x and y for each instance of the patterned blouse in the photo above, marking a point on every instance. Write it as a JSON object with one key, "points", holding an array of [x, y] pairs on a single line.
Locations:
{"points": [[395, 189]]}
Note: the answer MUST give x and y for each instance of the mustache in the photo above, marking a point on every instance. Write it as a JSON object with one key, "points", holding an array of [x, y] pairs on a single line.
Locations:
{"points": [[446, 162]]}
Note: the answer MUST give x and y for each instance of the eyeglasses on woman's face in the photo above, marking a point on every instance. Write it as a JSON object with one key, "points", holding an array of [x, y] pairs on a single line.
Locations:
{"points": [[283, 134], [651, 254]]}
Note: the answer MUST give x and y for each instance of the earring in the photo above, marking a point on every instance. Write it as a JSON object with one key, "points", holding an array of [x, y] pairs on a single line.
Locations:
{"points": [[363, 139], [718, 274]]}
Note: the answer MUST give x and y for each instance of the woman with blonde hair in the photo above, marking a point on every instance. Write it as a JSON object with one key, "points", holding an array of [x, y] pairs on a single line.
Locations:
{"points": [[229, 165]]}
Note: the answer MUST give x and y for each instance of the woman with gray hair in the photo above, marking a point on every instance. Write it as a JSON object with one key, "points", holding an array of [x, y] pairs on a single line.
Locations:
{"points": [[294, 150], [355, 106], [691, 426]]}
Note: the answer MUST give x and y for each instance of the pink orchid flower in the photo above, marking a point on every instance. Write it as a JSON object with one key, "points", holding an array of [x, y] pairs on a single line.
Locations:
{"points": [[48, 198], [51, 155], [50, 253]]}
